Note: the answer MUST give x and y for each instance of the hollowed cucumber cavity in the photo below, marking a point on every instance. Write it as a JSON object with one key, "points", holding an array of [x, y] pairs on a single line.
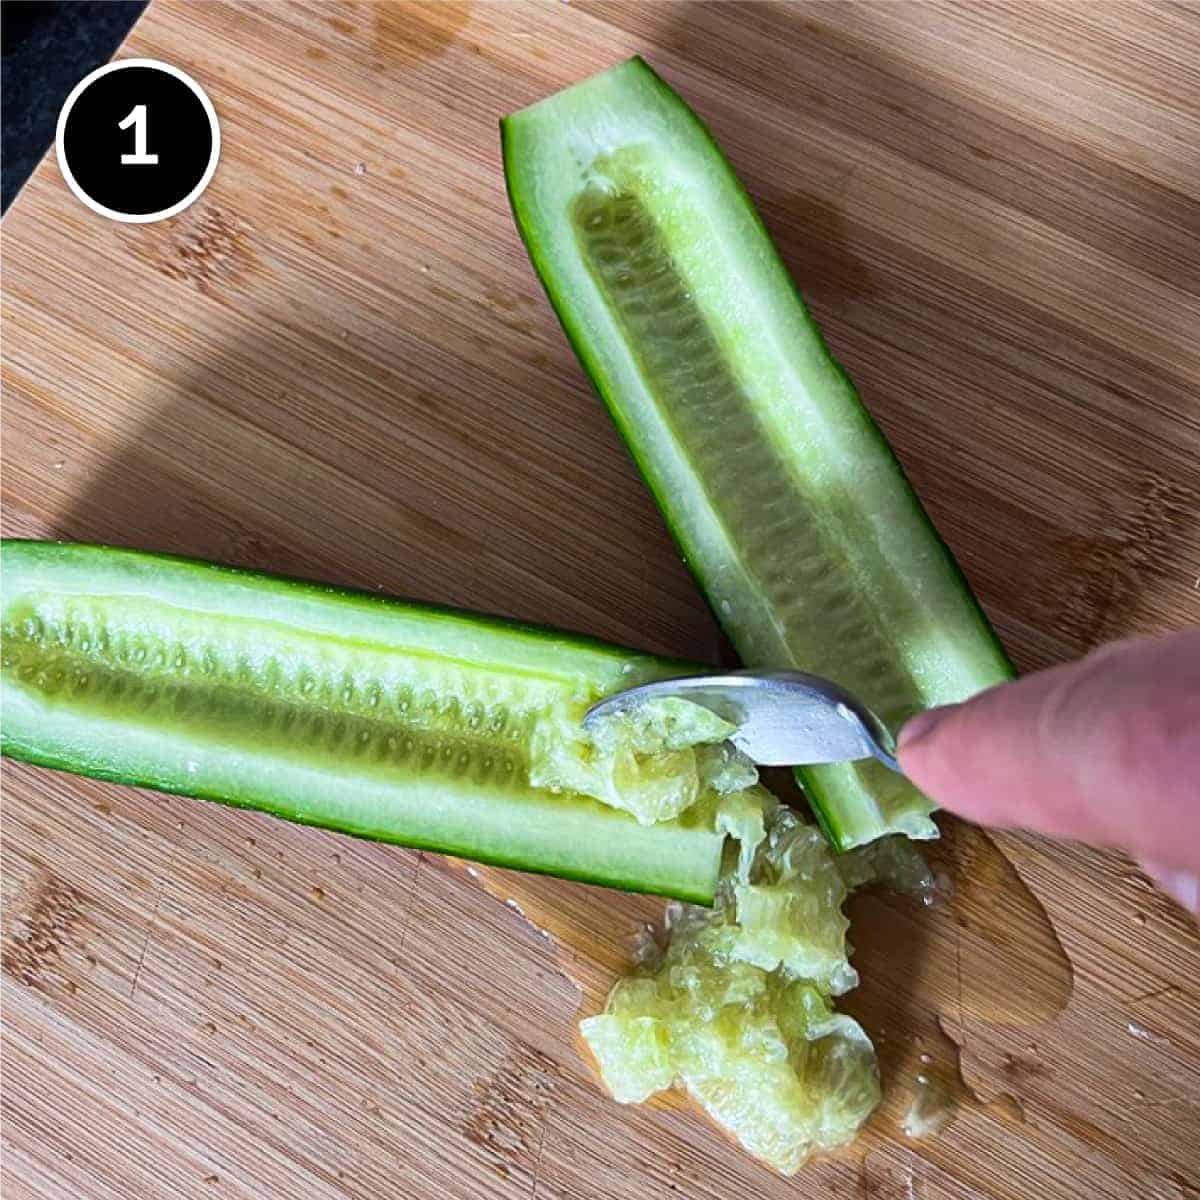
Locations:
{"points": [[786, 530]]}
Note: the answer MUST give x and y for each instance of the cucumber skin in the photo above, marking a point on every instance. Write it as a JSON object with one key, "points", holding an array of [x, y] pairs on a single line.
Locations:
{"points": [[22, 750], [824, 807]]}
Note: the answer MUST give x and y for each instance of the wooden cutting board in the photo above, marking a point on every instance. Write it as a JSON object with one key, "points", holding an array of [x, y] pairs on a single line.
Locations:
{"points": [[338, 364]]}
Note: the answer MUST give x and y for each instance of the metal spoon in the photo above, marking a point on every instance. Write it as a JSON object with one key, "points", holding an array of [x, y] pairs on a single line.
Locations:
{"points": [[782, 718]]}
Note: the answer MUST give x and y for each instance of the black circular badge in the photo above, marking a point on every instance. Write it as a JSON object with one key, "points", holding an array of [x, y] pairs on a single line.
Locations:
{"points": [[138, 140]]}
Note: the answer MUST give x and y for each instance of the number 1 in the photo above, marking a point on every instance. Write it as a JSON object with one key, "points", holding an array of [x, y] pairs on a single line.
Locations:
{"points": [[139, 157]]}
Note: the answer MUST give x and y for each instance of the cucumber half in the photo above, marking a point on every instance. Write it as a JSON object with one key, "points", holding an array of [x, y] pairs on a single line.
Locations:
{"points": [[372, 716], [783, 495]]}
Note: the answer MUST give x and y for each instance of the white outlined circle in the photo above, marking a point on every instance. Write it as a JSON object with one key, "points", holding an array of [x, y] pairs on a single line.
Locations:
{"points": [[122, 64]]}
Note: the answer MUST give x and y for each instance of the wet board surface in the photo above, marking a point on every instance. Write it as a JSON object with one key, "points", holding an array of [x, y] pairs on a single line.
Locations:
{"points": [[338, 364]]}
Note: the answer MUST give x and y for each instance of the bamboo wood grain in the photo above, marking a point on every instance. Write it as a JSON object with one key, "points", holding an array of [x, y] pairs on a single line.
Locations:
{"points": [[338, 364]]}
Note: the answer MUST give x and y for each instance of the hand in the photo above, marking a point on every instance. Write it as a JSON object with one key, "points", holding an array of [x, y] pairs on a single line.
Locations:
{"points": [[1106, 749]]}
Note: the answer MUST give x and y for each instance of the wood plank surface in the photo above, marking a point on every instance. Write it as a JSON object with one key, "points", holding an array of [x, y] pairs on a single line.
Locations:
{"points": [[338, 364]]}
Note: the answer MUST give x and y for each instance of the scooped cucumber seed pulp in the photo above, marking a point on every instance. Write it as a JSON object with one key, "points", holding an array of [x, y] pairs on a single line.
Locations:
{"points": [[738, 1007]]}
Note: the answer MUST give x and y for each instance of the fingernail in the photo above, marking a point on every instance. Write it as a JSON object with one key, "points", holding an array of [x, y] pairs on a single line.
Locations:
{"points": [[922, 725], [1182, 886]]}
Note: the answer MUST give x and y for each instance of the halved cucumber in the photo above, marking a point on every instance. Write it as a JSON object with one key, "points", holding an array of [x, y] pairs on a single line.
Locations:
{"points": [[368, 715], [782, 493]]}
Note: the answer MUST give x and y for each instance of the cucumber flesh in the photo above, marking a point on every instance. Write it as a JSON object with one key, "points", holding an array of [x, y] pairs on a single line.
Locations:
{"points": [[782, 493], [371, 716]]}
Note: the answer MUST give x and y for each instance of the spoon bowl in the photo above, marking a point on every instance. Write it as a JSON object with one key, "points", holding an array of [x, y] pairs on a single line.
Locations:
{"points": [[781, 718]]}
